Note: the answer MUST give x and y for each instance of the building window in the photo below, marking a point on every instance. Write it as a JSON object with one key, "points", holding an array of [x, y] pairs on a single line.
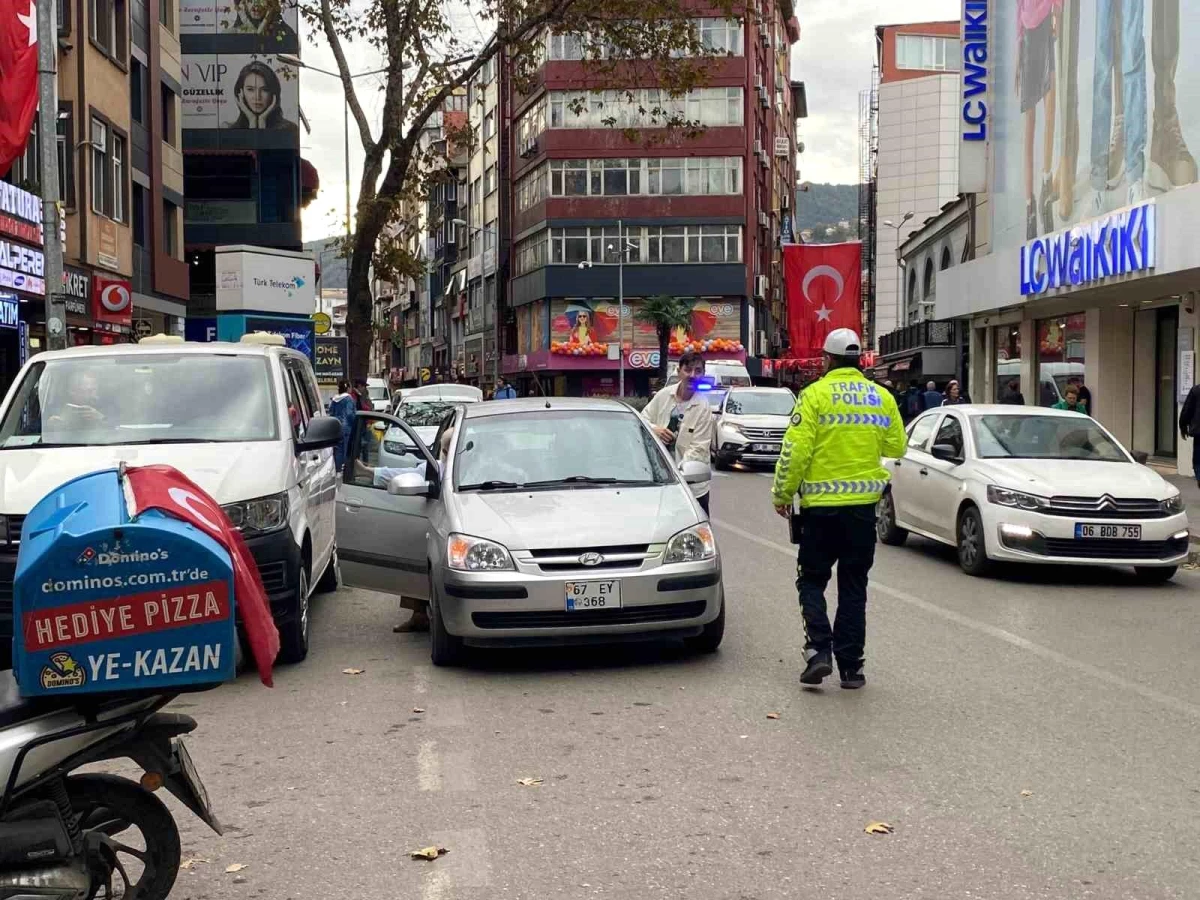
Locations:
{"points": [[489, 180], [109, 161], [646, 108], [1060, 356], [63, 12], [170, 229], [564, 46], [927, 53], [531, 253], [137, 91], [703, 175], [138, 202], [599, 245], [66, 157], [166, 14], [946, 261], [722, 37], [110, 26], [489, 125], [531, 123], [928, 289], [532, 188], [170, 116], [719, 37]]}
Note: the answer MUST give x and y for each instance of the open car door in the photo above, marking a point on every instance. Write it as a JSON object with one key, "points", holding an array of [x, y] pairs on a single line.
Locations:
{"points": [[382, 538]]}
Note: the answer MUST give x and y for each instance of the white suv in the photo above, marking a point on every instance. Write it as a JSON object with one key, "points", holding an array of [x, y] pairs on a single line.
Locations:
{"points": [[244, 421]]}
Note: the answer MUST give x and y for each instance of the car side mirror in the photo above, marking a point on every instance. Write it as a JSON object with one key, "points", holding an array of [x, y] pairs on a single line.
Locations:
{"points": [[322, 432], [409, 484], [1141, 457], [946, 452], [696, 472]]}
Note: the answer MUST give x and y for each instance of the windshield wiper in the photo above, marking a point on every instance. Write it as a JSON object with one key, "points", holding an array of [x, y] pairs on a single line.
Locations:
{"points": [[492, 485], [587, 479]]}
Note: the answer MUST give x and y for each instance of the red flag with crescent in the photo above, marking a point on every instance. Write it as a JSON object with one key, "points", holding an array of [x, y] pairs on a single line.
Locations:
{"points": [[18, 77], [823, 283]]}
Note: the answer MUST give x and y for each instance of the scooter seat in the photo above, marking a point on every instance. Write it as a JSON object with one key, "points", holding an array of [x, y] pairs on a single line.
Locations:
{"points": [[15, 709]]}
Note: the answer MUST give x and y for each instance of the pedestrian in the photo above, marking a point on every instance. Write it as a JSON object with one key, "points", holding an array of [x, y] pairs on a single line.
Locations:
{"points": [[1085, 395], [954, 395], [932, 398], [361, 397], [914, 402], [504, 390], [1013, 397], [1189, 426], [1072, 401], [840, 428], [682, 418], [343, 408]]}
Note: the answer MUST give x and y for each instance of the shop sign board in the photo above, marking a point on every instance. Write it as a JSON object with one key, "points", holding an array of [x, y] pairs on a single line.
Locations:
{"points": [[240, 91], [976, 87], [20, 214], [1120, 243], [112, 301], [10, 310], [258, 279], [331, 364], [296, 333], [77, 291], [107, 253]]}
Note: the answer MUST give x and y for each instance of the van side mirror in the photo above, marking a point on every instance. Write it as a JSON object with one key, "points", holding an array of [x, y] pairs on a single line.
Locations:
{"points": [[322, 432]]}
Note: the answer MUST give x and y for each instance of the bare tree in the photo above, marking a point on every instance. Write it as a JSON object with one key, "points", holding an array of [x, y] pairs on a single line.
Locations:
{"points": [[625, 44]]}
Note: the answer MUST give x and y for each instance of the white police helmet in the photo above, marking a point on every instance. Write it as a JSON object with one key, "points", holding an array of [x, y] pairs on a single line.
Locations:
{"points": [[843, 342]]}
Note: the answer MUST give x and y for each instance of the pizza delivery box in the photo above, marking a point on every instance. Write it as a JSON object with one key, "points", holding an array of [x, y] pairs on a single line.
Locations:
{"points": [[103, 603]]}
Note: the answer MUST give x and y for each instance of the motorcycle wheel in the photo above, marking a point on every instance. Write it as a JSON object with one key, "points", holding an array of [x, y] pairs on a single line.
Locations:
{"points": [[131, 838]]}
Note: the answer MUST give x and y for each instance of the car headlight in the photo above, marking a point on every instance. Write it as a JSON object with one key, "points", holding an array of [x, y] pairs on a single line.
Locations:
{"points": [[694, 544], [736, 429], [1173, 505], [260, 515], [1004, 497], [472, 554]]}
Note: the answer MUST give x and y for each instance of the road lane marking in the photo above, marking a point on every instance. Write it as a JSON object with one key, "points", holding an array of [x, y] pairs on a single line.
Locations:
{"points": [[436, 885], [420, 675], [1015, 640], [429, 767]]}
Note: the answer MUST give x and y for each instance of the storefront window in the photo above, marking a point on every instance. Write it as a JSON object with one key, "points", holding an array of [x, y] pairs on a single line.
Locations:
{"points": [[1060, 357], [1007, 341]]}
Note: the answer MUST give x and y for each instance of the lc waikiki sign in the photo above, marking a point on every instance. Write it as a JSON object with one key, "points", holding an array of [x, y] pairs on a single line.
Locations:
{"points": [[976, 85], [1117, 244]]}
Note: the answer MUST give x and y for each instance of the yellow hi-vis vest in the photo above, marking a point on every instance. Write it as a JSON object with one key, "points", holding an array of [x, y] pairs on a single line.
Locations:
{"points": [[840, 427]]}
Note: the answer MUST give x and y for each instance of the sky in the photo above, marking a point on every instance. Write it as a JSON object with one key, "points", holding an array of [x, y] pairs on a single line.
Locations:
{"points": [[833, 59]]}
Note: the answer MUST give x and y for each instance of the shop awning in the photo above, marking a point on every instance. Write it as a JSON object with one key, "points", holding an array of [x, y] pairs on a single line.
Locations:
{"points": [[905, 364]]}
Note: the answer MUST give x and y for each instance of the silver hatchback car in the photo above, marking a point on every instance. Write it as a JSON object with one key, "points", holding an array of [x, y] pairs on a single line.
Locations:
{"points": [[548, 521]]}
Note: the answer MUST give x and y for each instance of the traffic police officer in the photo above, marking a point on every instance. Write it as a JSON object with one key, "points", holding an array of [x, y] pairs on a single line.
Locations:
{"points": [[841, 426]]}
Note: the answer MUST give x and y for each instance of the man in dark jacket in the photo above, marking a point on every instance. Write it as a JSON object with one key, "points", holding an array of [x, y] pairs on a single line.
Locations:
{"points": [[932, 397], [361, 397], [1189, 426], [1014, 397]]}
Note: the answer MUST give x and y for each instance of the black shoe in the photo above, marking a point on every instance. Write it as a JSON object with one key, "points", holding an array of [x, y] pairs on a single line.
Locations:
{"points": [[852, 676], [820, 667]]}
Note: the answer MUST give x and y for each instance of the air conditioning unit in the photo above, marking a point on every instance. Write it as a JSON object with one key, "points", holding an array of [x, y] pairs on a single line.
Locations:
{"points": [[758, 82], [763, 158], [764, 220], [767, 41], [758, 147], [764, 98], [762, 343], [761, 286]]}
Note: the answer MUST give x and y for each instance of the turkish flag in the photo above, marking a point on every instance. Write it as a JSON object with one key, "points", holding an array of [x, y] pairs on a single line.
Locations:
{"points": [[823, 283], [18, 77], [170, 491]]}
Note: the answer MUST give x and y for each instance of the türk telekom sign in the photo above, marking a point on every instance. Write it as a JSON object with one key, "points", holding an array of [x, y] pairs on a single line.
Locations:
{"points": [[112, 301], [20, 214]]}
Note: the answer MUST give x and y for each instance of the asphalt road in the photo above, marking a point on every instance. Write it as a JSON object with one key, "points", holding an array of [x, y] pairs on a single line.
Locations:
{"points": [[1033, 736]]}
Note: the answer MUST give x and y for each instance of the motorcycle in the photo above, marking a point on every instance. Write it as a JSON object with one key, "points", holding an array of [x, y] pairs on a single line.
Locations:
{"points": [[91, 836]]}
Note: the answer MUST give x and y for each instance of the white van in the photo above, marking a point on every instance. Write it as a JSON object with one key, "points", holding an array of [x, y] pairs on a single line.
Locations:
{"points": [[244, 421], [378, 394]]}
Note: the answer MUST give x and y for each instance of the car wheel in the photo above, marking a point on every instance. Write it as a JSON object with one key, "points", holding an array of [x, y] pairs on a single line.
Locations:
{"points": [[708, 640], [293, 637], [885, 522], [444, 648], [331, 578], [1155, 574], [972, 548], [720, 463]]}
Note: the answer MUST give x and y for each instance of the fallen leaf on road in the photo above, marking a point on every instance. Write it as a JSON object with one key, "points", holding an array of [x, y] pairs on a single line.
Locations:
{"points": [[418, 709], [429, 853], [529, 782], [1026, 793], [353, 671], [772, 715], [236, 867], [878, 828], [195, 861]]}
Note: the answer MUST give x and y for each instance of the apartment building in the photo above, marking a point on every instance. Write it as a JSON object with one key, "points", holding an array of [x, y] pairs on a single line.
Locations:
{"points": [[917, 164], [595, 218], [120, 180]]}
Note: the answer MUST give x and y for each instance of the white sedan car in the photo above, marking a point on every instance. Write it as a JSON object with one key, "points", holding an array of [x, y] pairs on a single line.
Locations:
{"points": [[1032, 485]]}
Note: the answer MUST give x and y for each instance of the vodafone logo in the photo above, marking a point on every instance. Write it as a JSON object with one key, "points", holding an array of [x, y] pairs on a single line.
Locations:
{"points": [[112, 300], [115, 298]]}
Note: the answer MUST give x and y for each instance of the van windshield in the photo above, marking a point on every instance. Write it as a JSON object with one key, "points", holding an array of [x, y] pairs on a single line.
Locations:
{"points": [[143, 399]]}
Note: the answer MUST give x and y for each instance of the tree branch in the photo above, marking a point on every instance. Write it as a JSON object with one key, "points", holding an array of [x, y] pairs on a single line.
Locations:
{"points": [[335, 44]]}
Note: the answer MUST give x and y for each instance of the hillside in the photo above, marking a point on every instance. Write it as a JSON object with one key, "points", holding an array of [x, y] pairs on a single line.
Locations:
{"points": [[823, 207], [333, 267]]}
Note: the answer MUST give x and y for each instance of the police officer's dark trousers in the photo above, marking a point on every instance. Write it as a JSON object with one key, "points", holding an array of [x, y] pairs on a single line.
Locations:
{"points": [[844, 535]]}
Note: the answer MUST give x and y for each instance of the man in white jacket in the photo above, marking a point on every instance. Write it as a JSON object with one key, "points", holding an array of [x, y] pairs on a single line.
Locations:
{"points": [[682, 418]]}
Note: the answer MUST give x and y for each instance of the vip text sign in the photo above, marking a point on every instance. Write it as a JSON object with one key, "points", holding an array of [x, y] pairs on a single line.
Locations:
{"points": [[239, 91]]}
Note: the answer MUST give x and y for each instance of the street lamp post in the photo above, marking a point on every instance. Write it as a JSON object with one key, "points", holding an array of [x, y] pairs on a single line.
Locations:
{"points": [[625, 247], [891, 224]]}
